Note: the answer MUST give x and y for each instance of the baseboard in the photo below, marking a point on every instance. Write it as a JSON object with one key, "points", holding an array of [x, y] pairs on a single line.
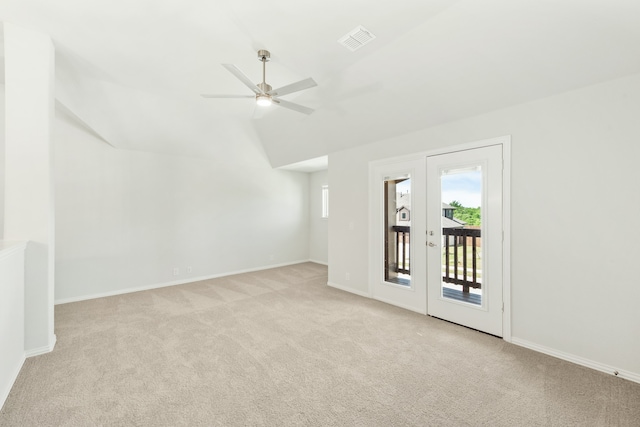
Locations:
{"points": [[318, 262], [367, 295], [406, 307], [42, 350], [353, 291], [14, 376], [631, 376], [172, 283]]}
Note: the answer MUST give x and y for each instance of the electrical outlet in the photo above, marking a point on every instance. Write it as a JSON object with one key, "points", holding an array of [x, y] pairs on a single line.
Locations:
{"points": [[189, 269], [176, 271], [272, 257], [347, 276]]}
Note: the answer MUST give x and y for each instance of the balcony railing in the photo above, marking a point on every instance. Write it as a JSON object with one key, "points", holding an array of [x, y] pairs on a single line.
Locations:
{"points": [[460, 257], [403, 248], [467, 239]]}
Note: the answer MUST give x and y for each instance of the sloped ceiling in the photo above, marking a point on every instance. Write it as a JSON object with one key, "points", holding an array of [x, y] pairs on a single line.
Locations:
{"points": [[133, 70]]}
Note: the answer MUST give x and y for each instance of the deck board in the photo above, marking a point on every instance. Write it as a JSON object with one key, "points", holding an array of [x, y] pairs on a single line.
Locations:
{"points": [[457, 295]]}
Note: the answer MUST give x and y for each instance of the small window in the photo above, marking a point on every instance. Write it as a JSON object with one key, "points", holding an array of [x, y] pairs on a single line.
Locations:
{"points": [[325, 201]]}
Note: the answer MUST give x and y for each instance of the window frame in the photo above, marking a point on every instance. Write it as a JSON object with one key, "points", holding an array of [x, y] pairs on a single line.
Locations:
{"points": [[325, 202]]}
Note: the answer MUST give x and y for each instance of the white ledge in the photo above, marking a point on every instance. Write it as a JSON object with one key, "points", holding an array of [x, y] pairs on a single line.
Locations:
{"points": [[8, 247]]}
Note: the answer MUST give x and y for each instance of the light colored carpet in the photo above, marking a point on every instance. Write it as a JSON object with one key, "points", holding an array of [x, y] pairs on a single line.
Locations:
{"points": [[280, 348]]}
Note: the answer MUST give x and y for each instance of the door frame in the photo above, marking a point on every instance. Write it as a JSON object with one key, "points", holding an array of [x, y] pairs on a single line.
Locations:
{"points": [[420, 236]]}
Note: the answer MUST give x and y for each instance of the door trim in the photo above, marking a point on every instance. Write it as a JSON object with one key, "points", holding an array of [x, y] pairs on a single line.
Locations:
{"points": [[505, 141]]}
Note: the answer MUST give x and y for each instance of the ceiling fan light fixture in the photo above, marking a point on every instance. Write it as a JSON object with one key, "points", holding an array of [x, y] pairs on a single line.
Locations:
{"points": [[263, 100]]}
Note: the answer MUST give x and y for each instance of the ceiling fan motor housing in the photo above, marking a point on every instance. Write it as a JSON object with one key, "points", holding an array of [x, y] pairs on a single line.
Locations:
{"points": [[264, 55]]}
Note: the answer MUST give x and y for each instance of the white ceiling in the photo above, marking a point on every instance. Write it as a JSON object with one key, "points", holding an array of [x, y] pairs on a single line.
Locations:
{"points": [[133, 70]]}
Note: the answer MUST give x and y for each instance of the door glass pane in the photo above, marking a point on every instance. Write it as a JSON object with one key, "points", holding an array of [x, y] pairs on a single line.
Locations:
{"points": [[461, 194], [397, 226]]}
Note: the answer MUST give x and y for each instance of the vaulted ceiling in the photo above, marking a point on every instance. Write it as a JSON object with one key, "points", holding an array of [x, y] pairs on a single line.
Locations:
{"points": [[133, 70]]}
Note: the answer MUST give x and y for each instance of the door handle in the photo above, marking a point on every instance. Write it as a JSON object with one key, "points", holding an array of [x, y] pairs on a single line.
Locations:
{"points": [[432, 245]]}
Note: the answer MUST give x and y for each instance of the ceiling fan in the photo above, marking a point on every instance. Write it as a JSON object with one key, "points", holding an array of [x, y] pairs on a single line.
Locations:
{"points": [[264, 94]]}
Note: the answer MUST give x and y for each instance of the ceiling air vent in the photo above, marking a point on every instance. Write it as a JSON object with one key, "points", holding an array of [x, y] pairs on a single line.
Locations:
{"points": [[356, 38]]}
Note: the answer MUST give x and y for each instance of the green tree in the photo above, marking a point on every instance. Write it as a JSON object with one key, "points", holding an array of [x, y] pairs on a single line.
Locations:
{"points": [[471, 216]]}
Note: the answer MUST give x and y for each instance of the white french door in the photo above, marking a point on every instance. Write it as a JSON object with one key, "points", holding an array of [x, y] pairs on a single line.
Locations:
{"points": [[436, 234], [397, 254], [464, 238]]}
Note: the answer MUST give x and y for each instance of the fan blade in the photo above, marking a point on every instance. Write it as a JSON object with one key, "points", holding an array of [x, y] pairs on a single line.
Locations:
{"points": [[293, 87], [207, 95], [295, 107], [242, 77]]}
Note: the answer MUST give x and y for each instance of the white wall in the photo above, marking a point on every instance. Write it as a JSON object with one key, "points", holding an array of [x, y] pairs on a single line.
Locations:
{"points": [[29, 199], [2, 166], [575, 203], [318, 226], [125, 219], [11, 314]]}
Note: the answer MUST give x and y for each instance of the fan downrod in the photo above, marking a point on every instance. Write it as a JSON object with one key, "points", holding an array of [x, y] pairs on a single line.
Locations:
{"points": [[264, 56]]}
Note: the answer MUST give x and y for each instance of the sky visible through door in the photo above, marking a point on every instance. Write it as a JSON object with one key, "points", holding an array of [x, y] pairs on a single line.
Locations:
{"points": [[465, 188]]}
